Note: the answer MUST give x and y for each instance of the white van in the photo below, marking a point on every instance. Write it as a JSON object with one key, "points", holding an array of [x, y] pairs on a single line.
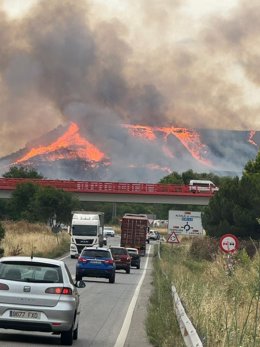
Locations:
{"points": [[197, 186]]}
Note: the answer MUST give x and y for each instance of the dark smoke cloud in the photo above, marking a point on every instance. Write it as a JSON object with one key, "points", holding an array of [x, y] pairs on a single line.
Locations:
{"points": [[63, 62]]}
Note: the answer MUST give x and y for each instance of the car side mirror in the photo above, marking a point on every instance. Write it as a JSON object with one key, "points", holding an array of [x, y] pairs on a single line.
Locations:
{"points": [[80, 284]]}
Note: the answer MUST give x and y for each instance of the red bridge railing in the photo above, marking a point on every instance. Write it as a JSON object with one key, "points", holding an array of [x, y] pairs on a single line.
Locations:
{"points": [[105, 187]]}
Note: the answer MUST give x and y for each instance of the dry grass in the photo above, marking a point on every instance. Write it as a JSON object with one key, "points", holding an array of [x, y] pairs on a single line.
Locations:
{"points": [[224, 307], [23, 238]]}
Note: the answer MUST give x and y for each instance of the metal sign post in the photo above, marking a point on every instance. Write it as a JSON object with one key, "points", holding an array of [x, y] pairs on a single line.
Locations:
{"points": [[229, 244]]}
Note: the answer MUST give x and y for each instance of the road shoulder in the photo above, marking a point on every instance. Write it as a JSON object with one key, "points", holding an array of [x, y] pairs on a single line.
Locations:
{"points": [[137, 332]]}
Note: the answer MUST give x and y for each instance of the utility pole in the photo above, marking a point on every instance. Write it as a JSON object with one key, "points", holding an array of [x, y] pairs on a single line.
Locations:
{"points": [[114, 213]]}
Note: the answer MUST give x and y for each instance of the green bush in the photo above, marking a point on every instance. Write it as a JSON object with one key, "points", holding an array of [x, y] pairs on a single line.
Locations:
{"points": [[243, 258], [250, 246]]}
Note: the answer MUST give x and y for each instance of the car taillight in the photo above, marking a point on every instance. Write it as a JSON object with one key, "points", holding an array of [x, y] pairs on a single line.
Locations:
{"points": [[4, 286], [82, 260], [109, 261], [59, 290]]}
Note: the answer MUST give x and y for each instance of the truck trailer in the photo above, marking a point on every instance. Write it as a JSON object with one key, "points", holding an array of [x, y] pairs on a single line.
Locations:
{"points": [[87, 230], [134, 228]]}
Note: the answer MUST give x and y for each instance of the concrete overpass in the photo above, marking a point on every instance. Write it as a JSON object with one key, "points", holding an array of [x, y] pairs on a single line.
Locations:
{"points": [[116, 191]]}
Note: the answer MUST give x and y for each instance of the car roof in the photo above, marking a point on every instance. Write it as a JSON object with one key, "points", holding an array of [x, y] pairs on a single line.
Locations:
{"points": [[32, 259], [116, 247], [96, 248]]}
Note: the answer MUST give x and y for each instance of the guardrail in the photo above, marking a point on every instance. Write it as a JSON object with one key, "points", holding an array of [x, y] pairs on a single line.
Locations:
{"points": [[107, 187], [189, 333]]}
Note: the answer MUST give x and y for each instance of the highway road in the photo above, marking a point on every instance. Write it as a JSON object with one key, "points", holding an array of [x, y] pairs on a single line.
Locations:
{"points": [[106, 311]]}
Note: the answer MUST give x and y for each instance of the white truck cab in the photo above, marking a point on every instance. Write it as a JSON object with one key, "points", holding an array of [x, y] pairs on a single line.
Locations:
{"points": [[87, 230]]}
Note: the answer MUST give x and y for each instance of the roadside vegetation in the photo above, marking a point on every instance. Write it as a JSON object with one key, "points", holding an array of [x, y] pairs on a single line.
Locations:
{"points": [[221, 296], [161, 324], [23, 238]]}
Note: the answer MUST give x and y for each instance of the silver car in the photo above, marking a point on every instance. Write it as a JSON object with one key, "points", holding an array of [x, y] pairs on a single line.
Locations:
{"points": [[109, 231], [38, 294]]}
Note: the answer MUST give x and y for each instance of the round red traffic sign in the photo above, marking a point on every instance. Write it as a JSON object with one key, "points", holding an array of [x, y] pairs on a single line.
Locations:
{"points": [[229, 243]]}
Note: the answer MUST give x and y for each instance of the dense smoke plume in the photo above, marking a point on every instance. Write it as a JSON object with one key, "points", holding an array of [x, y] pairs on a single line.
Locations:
{"points": [[69, 61]]}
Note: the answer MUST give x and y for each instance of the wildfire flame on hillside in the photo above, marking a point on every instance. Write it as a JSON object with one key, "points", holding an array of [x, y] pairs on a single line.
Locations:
{"points": [[251, 135], [79, 147], [72, 145], [188, 137]]}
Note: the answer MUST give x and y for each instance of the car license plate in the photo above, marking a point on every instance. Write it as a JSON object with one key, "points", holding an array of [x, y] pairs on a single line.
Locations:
{"points": [[95, 262], [25, 314]]}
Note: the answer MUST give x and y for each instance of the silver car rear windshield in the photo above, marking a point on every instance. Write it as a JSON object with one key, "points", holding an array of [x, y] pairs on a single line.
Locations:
{"points": [[30, 272]]}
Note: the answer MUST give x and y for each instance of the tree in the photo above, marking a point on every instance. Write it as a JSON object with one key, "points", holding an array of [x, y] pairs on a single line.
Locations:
{"points": [[22, 172], [173, 178], [235, 208], [50, 202], [4, 211], [22, 201], [185, 177], [252, 166], [35, 203], [2, 235]]}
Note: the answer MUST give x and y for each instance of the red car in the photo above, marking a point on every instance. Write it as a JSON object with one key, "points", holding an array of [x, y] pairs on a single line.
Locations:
{"points": [[122, 258]]}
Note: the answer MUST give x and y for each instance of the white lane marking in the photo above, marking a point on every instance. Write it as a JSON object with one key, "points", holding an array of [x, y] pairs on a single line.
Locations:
{"points": [[126, 325]]}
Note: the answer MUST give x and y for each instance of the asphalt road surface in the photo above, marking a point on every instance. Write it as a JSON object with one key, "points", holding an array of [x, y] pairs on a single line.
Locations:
{"points": [[112, 315]]}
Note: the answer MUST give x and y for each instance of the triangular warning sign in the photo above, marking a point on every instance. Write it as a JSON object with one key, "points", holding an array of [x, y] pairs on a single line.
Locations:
{"points": [[173, 238]]}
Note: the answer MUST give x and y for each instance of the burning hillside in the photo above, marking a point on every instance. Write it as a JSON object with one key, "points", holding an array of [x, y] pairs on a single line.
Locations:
{"points": [[132, 107], [147, 153], [79, 148], [189, 138]]}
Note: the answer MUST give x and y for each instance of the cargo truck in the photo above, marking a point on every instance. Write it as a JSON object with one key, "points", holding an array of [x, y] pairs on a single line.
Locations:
{"points": [[185, 223], [134, 228], [87, 230]]}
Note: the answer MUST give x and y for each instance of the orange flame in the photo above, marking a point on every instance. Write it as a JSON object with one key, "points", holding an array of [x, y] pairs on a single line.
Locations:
{"points": [[141, 131], [72, 139], [251, 135], [188, 137], [78, 147]]}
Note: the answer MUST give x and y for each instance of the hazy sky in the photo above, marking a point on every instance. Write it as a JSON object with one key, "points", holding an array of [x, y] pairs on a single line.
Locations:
{"points": [[191, 63]]}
